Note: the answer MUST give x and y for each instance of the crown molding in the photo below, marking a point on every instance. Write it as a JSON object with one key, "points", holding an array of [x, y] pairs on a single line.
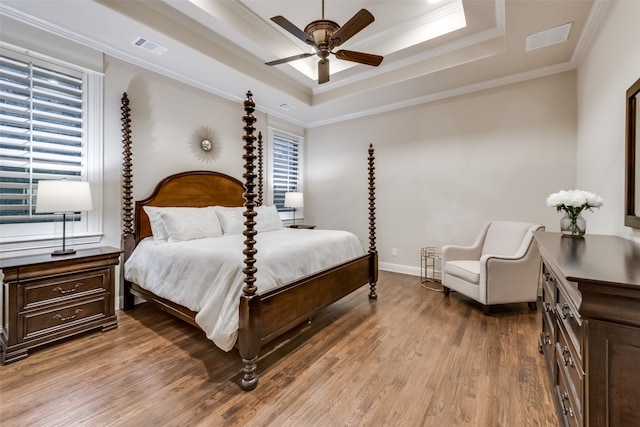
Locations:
{"points": [[591, 28]]}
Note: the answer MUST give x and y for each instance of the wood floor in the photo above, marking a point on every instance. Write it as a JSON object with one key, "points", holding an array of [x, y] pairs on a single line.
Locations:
{"points": [[412, 358]]}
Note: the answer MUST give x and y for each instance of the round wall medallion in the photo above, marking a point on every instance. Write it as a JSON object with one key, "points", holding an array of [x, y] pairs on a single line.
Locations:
{"points": [[205, 144]]}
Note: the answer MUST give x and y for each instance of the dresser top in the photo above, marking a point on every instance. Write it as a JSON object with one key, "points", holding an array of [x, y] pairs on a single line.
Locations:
{"points": [[594, 258]]}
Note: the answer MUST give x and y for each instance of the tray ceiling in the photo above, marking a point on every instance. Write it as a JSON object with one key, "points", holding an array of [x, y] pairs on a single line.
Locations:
{"points": [[221, 46]]}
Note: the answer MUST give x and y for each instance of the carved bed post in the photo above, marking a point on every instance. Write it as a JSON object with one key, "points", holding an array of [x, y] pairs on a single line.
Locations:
{"points": [[372, 226], [249, 333], [128, 239], [260, 163]]}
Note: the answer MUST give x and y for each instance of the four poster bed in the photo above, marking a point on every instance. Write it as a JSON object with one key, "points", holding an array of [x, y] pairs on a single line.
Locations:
{"points": [[267, 301]]}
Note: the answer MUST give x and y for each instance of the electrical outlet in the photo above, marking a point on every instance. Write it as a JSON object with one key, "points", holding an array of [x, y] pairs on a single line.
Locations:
{"points": [[394, 252]]}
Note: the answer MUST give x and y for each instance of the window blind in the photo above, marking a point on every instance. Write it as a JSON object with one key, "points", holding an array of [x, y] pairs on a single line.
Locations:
{"points": [[286, 169], [41, 133]]}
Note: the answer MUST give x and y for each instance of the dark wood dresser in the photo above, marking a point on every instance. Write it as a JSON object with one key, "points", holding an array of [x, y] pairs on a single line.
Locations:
{"points": [[48, 298], [591, 328]]}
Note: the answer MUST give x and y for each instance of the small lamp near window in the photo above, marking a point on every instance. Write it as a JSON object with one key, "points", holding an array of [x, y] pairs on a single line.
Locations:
{"points": [[63, 197], [293, 200]]}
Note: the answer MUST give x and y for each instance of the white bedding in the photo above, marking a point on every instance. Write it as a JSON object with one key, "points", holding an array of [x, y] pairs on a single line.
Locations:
{"points": [[205, 275]]}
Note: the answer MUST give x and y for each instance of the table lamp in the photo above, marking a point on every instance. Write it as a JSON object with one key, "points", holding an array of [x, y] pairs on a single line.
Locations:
{"points": [[63, 197], [293, 200]]}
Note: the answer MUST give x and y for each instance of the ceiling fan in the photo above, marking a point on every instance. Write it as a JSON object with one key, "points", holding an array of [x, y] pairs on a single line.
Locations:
{"points": [[324, 35]]}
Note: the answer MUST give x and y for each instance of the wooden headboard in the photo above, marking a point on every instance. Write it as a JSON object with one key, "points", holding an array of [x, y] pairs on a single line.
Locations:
{"points": [[189, 189]]}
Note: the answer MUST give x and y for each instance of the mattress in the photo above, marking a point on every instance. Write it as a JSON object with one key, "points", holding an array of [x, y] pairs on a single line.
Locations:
{"points": [[205, 275]]}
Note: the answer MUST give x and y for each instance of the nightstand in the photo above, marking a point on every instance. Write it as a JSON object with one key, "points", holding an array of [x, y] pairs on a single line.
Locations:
{"points": [[48, 298], [302, 226]]}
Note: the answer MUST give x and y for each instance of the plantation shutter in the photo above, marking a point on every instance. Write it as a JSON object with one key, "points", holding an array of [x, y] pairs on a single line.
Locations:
{"points": [[286, 169], [41, 133]]}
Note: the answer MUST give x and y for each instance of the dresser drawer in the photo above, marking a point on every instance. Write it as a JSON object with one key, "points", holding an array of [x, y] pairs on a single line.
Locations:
{"points": [[548, 308], [60, 318], [548, 298], [568, 362], [568, 414], [548, 280], [571, 321], [546, 345], [36, 293]]}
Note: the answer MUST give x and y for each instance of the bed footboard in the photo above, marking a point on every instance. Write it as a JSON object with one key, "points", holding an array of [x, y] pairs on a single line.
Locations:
{"points": [[304, 298], [267, 316]]}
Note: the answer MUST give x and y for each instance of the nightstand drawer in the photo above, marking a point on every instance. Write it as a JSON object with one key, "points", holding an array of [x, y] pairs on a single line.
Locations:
{"points": [[37, 323], [37, 293]]}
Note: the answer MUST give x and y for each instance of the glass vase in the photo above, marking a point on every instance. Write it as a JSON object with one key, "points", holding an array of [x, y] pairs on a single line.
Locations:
{"points": [[573, 225]]}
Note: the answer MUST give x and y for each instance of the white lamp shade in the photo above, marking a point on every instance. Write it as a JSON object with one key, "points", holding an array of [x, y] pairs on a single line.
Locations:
{"points": [[63, 196], [293, 200]]}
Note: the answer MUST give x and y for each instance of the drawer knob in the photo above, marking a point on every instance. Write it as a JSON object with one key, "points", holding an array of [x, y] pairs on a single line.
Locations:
{"points": [[566, 409], [566, 311], [568, 361], [67, 291], [544, 340], [73, 316]]}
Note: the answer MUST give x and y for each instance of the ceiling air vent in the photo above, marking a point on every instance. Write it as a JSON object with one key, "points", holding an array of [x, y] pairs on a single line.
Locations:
{"points": [[287, 107], [548, 37], [149, 45]]}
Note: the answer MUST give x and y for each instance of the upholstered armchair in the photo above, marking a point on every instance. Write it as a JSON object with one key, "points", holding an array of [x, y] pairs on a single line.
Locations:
{"points": [[501, 267]]}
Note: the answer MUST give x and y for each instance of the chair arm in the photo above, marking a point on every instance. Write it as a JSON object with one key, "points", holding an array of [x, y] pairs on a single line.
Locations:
{"points": [[455, 253], [513, 278], [503, 261]]}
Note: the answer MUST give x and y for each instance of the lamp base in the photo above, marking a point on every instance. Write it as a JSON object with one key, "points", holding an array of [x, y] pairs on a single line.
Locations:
{"points": [[63, 252]]}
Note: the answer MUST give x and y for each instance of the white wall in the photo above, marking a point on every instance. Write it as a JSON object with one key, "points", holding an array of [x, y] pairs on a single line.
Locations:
{"points": [[610, 67], [164, 116], [443, 169]]}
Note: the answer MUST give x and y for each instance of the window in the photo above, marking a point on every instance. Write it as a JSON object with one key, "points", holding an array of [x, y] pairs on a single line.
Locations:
{"points": [[286, 169], [44, 134]]}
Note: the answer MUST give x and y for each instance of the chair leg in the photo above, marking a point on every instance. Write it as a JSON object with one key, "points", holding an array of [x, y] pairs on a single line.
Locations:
{"points": [[532, 305], [486, 310], [446, 290]]}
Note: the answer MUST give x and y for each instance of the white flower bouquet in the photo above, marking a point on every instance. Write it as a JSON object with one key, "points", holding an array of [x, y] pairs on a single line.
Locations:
{"points": [[573, 202]]}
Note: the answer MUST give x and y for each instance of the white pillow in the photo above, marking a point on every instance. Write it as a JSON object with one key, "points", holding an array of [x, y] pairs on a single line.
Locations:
{"points": [[231, 219], [158, 229], [268, 219], [191, 223]]}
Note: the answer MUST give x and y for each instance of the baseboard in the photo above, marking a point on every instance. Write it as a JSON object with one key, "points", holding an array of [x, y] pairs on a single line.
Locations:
{"points": [[399, 268]]}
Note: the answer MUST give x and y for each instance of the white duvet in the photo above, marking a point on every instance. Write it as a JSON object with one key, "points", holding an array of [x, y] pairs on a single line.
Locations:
{"points": [[205, 275]]}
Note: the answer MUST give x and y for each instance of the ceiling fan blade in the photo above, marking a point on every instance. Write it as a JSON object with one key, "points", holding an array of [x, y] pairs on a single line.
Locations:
{"points": [[289, 59], [353, 26], [323, 71], [287, 25], [360, 57]]}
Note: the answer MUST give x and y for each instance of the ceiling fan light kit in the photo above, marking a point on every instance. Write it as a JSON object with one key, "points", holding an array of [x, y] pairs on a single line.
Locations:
{"points": [[324, 35]]}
